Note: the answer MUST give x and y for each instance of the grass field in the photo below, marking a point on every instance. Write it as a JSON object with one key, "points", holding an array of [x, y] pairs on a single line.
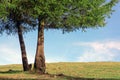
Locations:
{"points": [[65, 71]]}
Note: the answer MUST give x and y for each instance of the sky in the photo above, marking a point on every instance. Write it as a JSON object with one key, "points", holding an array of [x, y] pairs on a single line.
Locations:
{"points": [[95, 45]]}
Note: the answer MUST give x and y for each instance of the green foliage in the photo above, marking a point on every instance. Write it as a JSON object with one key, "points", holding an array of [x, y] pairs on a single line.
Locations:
{"points": [[12, 14], [70, 15], [88, 13], [5, 5], [67, 15], [3, 13]]}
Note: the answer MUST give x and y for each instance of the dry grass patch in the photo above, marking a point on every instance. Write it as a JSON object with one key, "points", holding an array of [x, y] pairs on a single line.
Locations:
{"points": [[66, 71]]}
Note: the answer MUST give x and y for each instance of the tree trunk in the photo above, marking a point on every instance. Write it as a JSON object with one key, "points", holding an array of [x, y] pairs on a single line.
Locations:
{"points": [[23, 50], [39, 64]]}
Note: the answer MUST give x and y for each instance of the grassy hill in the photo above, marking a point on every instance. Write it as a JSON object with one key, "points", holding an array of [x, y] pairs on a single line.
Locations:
{"points": [[65, 71]]}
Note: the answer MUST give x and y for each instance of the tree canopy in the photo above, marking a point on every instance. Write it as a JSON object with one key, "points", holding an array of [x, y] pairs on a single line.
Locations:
{"points": [[12, 13], [70, 15]]}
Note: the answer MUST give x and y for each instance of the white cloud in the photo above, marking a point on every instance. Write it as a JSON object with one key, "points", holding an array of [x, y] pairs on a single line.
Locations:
{"points": [[9, 54], [93, 51], [100, 45], [99, 51]]}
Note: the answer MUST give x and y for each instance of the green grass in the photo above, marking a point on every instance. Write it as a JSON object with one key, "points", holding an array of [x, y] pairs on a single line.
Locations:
{"points": [[65, 71]]}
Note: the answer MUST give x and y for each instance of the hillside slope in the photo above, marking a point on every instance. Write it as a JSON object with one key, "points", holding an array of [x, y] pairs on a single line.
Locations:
{"points": [[65, 71]]}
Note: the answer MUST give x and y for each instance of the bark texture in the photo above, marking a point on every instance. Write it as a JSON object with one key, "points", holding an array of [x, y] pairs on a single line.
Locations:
{"points": [[39, 64], [23, 50]]}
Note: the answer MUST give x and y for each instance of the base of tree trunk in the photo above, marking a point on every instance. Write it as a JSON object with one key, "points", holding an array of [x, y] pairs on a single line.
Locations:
{"points": [[40, 71]]}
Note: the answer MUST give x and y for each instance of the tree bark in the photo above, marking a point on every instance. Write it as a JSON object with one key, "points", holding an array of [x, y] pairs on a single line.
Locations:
{"points": [[23, 50], [39, 64]]}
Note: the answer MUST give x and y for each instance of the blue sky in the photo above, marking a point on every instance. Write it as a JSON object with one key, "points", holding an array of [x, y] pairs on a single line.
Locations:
{"points": [[101, 44]]}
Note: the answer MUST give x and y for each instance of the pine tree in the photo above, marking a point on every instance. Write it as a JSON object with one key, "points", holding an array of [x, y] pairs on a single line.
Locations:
{"points": [[14, 21], [66, 15]]}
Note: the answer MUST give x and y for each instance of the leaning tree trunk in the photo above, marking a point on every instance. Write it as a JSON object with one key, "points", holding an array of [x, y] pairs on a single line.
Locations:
{"points": [[39, 64], [23, 50]]}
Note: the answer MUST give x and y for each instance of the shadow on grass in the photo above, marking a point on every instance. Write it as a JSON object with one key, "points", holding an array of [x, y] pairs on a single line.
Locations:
{"points": [[10, 72], [81, 78], [51, 76]]}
